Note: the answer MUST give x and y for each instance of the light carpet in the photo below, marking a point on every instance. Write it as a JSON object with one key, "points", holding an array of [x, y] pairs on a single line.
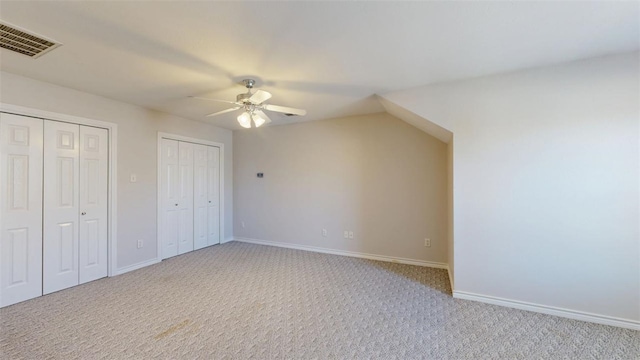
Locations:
{"points": [[241, 301]]}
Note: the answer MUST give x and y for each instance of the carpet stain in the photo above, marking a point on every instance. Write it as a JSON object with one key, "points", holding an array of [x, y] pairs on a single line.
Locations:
{"points": [[172, 329]]}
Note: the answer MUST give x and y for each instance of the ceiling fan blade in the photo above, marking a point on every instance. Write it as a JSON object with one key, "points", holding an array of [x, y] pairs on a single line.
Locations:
{"points": [[259, 97], [286, 110], [263, 115], [217, 100], [223, 111]]}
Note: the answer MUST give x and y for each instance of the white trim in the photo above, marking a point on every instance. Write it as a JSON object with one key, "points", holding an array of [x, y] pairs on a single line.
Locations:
{"points": [[550, 310], [344, 253], [450, 277], [163, 135], [229, 239], [137, 266], [113, 166]]}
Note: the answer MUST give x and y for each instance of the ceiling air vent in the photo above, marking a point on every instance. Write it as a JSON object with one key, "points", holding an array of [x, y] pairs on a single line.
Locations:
{"points": [[18, 40]]}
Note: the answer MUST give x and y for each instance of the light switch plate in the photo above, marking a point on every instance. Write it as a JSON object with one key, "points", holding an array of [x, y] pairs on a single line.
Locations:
{"points": [[133, 178]]}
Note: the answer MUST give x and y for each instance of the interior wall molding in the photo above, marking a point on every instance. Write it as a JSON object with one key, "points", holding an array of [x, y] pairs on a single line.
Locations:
{"points": [[360, 255], [550, 310]]}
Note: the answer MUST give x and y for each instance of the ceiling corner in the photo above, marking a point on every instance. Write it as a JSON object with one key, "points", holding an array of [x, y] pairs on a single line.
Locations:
{"points": [[416, 120]]}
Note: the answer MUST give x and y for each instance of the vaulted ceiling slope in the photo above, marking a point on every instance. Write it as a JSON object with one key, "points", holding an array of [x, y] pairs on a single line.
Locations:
{"points": [[330, 58]]}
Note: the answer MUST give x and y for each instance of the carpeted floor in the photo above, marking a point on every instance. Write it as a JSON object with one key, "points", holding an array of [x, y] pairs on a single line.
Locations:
{"points": [[239, 301]]}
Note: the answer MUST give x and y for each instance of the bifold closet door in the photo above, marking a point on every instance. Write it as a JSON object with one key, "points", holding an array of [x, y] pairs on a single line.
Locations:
{"points": [[21, 208], [200, 196], [92, 247], [61, 206], [185, 197], [169, 187], [190, 199], [213, 195], [75, 205]]}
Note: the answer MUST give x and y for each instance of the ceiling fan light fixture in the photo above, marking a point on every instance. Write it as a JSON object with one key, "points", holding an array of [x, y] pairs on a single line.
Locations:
{"points": [[245, 120], [258, 120]]}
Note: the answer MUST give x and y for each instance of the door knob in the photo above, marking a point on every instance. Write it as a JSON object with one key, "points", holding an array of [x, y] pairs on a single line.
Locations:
{"points": [[176, 204], [209, 201], [84, 213]]}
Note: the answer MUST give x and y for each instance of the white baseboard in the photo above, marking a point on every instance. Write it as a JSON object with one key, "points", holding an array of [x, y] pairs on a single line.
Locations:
{"points": [[344, 253], [550, 310], [226, 240], [137, 266]]}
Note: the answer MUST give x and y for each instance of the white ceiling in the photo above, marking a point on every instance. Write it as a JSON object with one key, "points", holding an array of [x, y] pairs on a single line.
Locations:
{"points": [[330, 58]]}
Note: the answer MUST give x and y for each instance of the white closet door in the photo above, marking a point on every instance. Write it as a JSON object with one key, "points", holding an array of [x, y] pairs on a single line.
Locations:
{"points": [[185, 198], [21, 208], [213, 194], [170, 187], [200, 197], [94, 169], [61, 190]]}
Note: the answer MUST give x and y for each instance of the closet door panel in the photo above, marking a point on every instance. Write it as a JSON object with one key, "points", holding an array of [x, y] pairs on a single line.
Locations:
{"points": [[61, 192], [185, 198], [94, 158], [201, 218], [169, 197], [213, 195], [21, 208]]}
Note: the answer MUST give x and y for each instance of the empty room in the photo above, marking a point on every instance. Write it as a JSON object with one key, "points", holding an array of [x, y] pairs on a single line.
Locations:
{"points": [[320, 180]]}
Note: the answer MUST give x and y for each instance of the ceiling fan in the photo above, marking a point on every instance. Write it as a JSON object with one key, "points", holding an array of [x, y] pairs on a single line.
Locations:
{"points": [[253, 105]]}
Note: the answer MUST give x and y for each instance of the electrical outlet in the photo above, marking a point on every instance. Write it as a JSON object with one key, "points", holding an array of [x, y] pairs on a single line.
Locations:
{"points": [[427, 242], [140, 244], [350, 234], [346, 234], [242, 224], [324, 232]]}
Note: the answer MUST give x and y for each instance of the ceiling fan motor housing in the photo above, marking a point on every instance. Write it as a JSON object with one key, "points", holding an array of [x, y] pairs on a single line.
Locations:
{"points": [[244, 98]]}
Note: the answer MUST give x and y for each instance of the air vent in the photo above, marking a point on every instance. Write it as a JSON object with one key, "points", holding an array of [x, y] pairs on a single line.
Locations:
{"points": [[18, 40]]}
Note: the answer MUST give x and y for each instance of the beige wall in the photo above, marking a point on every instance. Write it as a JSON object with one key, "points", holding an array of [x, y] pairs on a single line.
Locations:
{"points": [[450, 215], [546, 174], [137, 153], [375, 175]]}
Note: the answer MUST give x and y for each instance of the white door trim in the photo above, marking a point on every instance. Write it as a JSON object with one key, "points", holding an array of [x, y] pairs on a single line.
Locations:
{"points": [[113, 166], [163, 135]]}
